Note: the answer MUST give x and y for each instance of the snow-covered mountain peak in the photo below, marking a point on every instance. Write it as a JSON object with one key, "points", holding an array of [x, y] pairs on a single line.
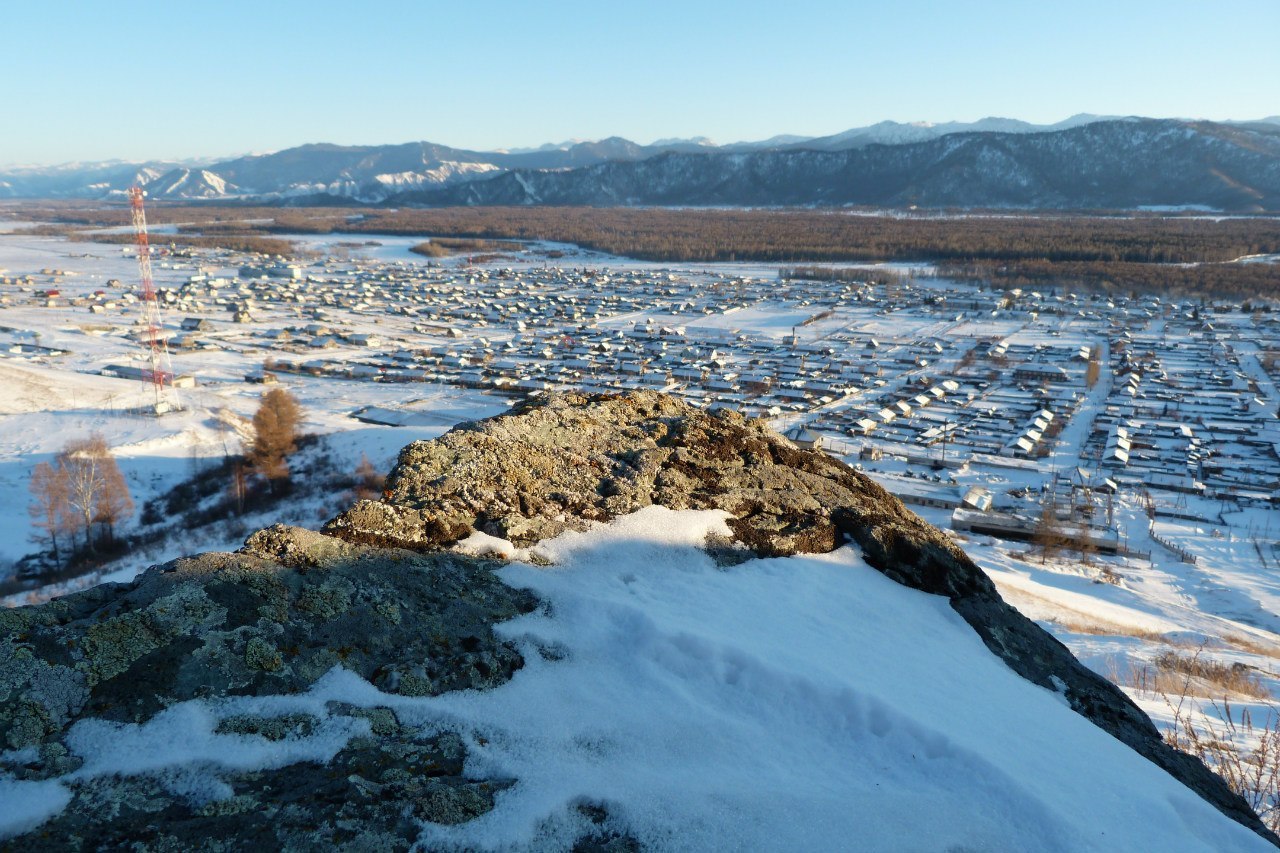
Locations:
{"points": [[372, 173]]}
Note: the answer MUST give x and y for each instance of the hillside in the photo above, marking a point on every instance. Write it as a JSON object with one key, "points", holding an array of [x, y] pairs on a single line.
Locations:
{"points": [[593, 623]]}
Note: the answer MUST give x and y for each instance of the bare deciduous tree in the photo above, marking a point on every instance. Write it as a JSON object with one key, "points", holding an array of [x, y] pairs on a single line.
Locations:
{"points": [[96, 492], [82, 463], [1047, 534], [1093, 372], [50, 506], [369, 482], [114, 503]]}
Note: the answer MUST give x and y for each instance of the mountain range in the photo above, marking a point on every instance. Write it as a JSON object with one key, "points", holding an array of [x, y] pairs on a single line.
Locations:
{"points": [[1085, 161]]}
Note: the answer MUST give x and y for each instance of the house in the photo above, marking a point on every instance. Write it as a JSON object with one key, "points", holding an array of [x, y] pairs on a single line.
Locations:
{"points": [[803, 437], [1039, 372], [976, 498]]}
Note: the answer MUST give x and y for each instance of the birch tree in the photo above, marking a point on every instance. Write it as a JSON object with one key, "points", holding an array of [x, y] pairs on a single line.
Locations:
{"points": [[50, 506]]}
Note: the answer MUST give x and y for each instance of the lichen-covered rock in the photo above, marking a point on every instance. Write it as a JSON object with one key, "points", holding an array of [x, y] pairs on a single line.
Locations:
{"points": [[371, 796], [571, 459], [271, 619], [566, 460]]}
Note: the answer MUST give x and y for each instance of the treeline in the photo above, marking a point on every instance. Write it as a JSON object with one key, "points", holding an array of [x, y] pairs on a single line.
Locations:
{"points": [[1134, 252], [854, 274], [441, 247], [80, 498], [1225, 280], [760, 235], [115, 215], [232, 242], [797, 236]]}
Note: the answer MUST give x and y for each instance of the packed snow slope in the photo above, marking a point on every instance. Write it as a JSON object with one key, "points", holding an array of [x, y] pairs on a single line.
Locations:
{"points": [[596, 622]]}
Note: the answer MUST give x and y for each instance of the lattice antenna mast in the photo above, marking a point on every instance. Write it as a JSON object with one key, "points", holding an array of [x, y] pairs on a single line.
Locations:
{"points": [[159, 370]]}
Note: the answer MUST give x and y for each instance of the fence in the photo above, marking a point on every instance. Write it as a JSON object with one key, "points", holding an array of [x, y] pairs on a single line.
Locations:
{"points": [[1181, 553]]}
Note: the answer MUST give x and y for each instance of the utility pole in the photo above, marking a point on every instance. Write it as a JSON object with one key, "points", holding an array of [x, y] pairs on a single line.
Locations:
{"points": [[946, 435]]}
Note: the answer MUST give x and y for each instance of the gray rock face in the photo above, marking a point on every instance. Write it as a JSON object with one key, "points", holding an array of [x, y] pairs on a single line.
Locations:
{"points": [[377, 596]]}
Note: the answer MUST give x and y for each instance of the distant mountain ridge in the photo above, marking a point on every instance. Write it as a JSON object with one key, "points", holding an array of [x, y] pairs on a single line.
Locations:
{"points": [[359, 172], [1085, 161], [896, 133], [1111, 164]]}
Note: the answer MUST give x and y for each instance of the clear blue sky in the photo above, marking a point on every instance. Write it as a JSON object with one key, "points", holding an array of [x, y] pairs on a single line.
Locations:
{"points": [[97, 80]]}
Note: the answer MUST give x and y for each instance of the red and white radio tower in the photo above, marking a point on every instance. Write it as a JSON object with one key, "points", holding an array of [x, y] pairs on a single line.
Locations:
{"points": [[159, 372]]}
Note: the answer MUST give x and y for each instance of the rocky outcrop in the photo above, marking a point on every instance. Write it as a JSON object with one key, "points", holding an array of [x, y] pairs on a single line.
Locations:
{"points": [[569, 459], [379, 596], [269, 620]]}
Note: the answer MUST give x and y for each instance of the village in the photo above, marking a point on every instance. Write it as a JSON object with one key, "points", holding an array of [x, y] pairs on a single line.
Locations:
{"points": [[1110, 460], [1014, 411]]}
